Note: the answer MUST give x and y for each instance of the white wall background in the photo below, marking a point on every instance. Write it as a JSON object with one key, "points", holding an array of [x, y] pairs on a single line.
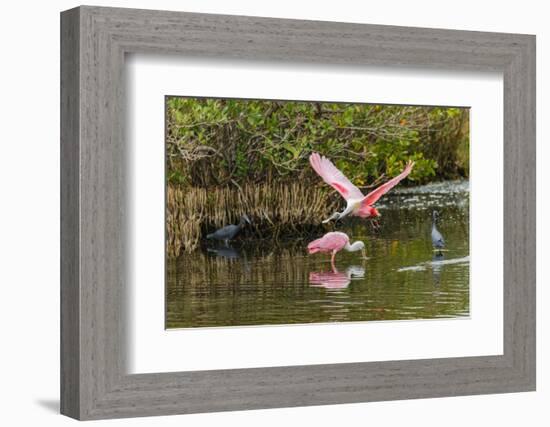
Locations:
{"points": [[29, 212]]}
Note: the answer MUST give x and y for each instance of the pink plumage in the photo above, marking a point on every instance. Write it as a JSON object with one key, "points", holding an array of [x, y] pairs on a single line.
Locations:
{"points": [[333, 177], [333, 241], [358, 204]]}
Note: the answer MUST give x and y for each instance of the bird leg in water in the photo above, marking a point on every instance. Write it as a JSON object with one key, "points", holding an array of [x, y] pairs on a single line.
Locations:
{"points": [[335, 215], [332, 260], [375, 225]]}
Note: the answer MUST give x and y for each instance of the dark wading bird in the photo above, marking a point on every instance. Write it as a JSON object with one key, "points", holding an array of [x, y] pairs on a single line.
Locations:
{"points": [[357, 203], [229, 232], [438, 242]]}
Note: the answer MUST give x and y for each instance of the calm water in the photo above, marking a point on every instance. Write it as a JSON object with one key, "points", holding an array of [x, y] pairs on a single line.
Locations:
{"points": [[256, 283]]}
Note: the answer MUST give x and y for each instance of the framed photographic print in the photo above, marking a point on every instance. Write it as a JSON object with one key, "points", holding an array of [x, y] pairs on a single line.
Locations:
{"points": [[343, 212], [241, 215]]}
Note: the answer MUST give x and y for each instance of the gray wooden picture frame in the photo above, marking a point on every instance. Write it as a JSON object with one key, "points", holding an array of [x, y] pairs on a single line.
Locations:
{"points": [[94, 381]]}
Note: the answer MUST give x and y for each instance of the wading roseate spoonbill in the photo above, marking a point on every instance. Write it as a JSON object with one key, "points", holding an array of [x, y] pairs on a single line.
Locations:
{"points": [[229, 232], [357, 203], [333, 242], [438, 241]]}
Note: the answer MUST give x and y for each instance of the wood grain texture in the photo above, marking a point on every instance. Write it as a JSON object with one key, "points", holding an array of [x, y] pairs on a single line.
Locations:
{"points": [[95, 275], [70, 291]]}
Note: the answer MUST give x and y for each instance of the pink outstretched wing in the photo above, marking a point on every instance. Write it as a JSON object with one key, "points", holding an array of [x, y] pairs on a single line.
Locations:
{"points": [[373, 196], [333, 177], [334, 240]]}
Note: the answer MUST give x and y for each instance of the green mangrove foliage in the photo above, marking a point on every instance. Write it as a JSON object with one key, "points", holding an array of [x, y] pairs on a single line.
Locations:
{"points": [[225, 157], [213, 142]]}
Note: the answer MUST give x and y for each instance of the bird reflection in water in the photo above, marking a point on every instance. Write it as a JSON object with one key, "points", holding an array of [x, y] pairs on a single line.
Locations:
{"points": [[228, 252], [437, 266], [335, 279]]}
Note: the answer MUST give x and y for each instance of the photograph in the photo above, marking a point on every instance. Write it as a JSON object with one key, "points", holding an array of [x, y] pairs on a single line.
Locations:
{"points": [[283, 212]]}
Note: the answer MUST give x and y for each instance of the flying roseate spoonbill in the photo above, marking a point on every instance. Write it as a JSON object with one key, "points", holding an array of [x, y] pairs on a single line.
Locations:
{"points": [[334, 242], [438, 242], [229, 232], [357, 203]]}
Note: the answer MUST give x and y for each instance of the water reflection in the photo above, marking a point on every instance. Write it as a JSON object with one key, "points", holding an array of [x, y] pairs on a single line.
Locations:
{"points": [[268, 282], [224, 252], [437, 263], [335, 279], [437, 267]]}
